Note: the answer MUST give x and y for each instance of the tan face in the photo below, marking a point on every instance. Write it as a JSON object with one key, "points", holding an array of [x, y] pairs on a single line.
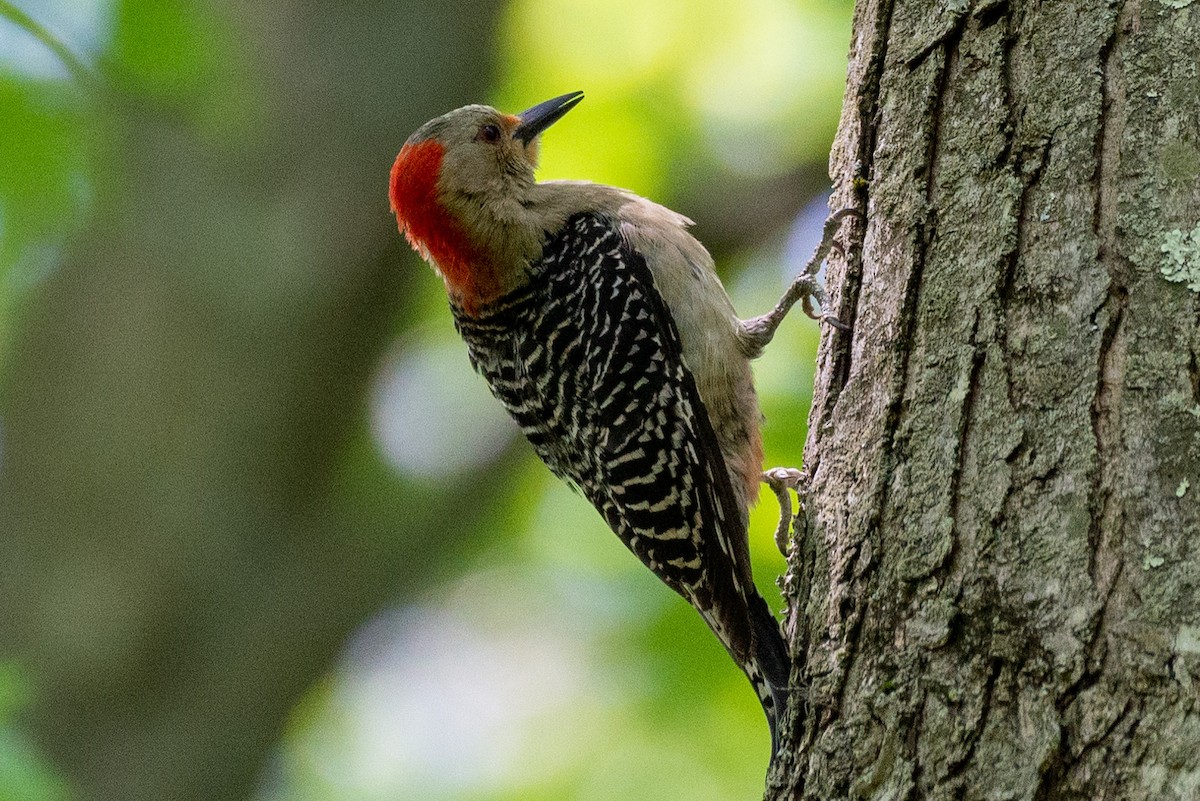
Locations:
{"points": [[482, 157]]}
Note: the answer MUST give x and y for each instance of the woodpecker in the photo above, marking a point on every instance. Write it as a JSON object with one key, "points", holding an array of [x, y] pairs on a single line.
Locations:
{"points": [[600, 324]]}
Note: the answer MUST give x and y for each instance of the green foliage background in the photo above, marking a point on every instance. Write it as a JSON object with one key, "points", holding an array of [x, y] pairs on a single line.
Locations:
{"points": [[266, 536]]}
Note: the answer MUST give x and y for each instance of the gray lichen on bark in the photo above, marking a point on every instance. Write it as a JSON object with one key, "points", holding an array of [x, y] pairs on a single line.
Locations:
{"points": [[998, 591]]}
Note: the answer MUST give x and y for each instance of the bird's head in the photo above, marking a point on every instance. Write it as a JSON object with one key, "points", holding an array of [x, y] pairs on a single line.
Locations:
{"points": [[459, 185]]}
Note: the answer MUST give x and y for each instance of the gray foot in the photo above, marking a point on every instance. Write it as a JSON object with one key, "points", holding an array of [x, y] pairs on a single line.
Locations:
{"points": [[780, 480], [757, 332]]}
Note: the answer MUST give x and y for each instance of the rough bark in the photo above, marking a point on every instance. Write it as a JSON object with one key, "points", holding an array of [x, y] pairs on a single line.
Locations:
{"points": [[998, 594]]}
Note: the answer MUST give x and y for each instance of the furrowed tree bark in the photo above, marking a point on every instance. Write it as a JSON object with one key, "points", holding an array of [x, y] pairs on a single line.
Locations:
{"points": [[998, 591]]}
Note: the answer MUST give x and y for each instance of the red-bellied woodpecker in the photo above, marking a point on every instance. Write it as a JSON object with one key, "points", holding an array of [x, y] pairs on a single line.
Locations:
{"points": [[602, 327]]}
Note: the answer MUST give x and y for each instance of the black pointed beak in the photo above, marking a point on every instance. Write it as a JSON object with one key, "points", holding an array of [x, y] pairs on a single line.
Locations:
{"points": [[543, 115]]}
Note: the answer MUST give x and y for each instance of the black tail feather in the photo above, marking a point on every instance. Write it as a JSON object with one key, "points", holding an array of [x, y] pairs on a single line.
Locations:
{"points": [[772, 659]]}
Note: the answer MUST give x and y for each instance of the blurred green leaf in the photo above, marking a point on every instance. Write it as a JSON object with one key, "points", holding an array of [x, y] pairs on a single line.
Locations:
{"points": [[80, 71], [181, 53], [44, 183], [682, 86], [25, 774]]}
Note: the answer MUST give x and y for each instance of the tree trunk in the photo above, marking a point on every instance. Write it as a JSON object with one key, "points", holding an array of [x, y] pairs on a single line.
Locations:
{"points": [[998, 594]]}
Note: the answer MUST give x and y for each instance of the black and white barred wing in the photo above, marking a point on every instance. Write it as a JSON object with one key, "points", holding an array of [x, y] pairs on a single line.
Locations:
{"points": [[654, 469], [587, 359]]}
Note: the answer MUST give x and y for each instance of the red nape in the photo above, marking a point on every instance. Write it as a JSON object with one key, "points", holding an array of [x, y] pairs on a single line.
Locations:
{"points": [[432, 231]]}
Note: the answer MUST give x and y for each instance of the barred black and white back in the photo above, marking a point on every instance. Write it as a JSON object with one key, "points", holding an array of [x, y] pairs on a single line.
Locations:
{"points": [[587, 359]]}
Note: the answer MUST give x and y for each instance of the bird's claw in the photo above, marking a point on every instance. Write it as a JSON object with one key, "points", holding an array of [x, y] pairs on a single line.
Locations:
{"points": [[828, 243], [780, 480], [757, 332]]}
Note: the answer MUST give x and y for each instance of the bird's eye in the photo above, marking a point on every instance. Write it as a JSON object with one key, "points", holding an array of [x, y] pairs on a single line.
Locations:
{"points": [[489, 133]]}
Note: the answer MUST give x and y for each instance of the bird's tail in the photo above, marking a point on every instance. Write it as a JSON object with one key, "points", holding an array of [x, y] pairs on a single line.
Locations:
{"points": [[770, 661], [751, 635]]}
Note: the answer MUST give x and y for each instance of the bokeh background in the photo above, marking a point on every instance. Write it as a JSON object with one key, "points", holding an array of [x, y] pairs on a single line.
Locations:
{"points": [[263, 534]]}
